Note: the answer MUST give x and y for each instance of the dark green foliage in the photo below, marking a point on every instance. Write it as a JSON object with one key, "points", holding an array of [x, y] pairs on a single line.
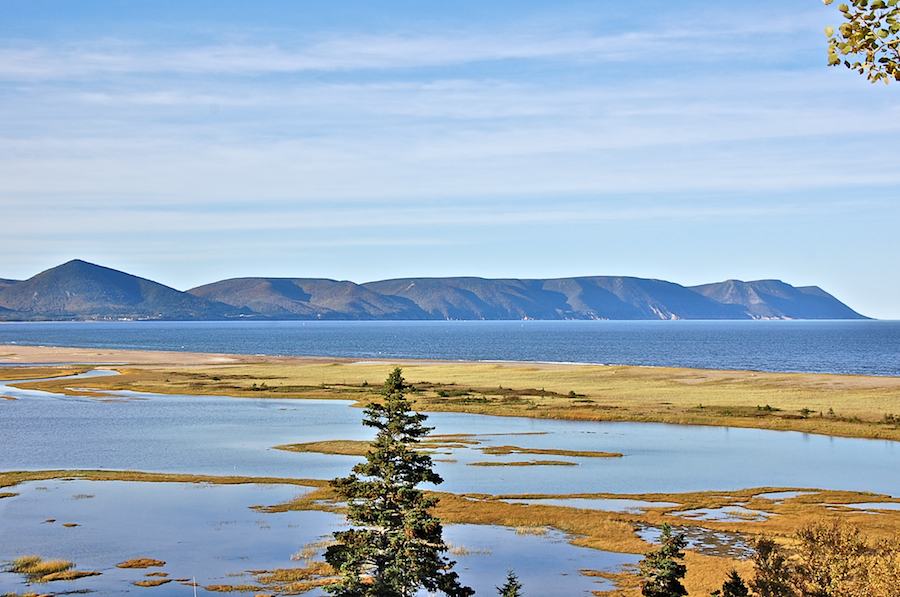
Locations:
{"points": [[512, 587], [734, 587], [395, 545], [660, 568]]}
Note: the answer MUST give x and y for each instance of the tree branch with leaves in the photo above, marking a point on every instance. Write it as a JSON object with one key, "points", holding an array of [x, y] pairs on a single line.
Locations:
{"points": [[869, 40]]}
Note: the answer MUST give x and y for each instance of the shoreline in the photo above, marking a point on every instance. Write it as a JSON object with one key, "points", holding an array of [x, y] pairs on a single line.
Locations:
{"points": [[839, 405], [523, 389]]}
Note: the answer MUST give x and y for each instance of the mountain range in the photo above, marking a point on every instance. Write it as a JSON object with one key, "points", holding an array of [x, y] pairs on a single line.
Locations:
{"points": [[79, 290]]}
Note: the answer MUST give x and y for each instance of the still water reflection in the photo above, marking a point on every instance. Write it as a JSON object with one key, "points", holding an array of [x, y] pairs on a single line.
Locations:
{"points": [[223, 435], [208, 532]]}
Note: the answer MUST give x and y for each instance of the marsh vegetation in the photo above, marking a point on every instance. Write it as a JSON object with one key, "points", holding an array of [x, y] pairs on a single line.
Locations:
{"points": [[840, 405], [832, 405]]}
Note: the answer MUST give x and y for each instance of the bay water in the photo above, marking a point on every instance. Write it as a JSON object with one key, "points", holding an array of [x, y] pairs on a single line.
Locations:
{"points": [[867, 347], [223, 435]]}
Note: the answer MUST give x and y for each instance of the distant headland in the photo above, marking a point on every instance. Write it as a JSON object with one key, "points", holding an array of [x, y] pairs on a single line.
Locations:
{"points": [[78, 290]]}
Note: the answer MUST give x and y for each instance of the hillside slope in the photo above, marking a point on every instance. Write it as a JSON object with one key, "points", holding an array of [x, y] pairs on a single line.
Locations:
{"points": [[82, 290], [308, 298], [773, 299]]}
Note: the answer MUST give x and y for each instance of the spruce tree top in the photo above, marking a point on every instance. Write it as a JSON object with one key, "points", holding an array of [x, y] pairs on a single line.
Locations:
{"points": [[396, 547]]}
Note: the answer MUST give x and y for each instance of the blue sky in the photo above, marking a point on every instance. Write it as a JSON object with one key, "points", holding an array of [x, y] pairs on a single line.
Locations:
{"points": [[188, 142]]}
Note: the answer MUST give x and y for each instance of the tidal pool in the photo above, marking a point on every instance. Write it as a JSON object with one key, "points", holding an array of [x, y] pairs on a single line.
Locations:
{"points": [[608, 505], [729, 513], [780, 496], [874, 506], [209, 532]]}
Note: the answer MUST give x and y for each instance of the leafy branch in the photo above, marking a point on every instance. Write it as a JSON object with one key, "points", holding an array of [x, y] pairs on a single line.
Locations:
{"points": [[869, 40]]}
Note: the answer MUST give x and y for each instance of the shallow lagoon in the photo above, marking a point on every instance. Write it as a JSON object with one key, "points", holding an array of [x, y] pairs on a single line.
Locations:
{"points": [[223, 435], [209, 532], [234, 436]]}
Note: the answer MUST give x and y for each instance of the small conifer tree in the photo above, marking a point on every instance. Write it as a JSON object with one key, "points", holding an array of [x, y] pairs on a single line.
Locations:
{"points": [[396, 546], [734, 587], [512, 587], [660, 568]]}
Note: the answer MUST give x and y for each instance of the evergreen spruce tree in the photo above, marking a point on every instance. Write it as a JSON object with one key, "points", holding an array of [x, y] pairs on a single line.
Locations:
{"points": [[660, 568], [734, 587], [395, 545], [512, 587]]}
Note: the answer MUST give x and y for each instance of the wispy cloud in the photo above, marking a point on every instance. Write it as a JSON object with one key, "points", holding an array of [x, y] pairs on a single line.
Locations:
{"points": [[705, 41]]}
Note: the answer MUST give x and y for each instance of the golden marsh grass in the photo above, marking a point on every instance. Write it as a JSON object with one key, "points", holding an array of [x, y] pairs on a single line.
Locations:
{"points": [[141, 563], [573, 453], [336, 446], [841, 405], [152, 583], [37, 570]]}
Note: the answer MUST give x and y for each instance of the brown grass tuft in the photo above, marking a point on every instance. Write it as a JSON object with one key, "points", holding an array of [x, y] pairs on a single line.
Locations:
{"points": [[36, 569], [152, 583], [142, 563], [232, 588]]}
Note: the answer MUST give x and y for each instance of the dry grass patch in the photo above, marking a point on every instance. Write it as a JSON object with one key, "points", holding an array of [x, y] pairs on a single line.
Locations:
{"points": [[574, 453], [13, 373], [142, 563], [7, 494], [462, 550], [232, 588], [297, 580], [151, 583], [344, 447], [841, 405], [37, 570], [68, 575], [36, 566]]}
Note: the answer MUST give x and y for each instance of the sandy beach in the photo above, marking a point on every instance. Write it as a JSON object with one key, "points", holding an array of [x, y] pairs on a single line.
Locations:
{"points": [[11, 354]]}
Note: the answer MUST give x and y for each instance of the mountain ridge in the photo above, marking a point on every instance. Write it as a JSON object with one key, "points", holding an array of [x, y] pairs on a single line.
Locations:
{"points": [[78, 290]]}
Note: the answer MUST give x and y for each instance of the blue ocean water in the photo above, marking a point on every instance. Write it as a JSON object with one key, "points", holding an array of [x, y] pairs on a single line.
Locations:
{"points": [[845, 347]]}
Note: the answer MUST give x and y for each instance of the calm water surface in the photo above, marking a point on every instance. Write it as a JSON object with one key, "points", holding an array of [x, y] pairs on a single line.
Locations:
{"points": [[210, 533], [858, 347], [223, 435], [215, 537]]}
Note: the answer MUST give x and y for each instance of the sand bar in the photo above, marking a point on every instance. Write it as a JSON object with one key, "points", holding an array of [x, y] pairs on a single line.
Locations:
{"points": [[12, 354]]}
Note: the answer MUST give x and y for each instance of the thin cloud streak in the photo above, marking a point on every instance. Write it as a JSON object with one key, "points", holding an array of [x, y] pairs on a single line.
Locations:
{"points": [[262, 218], [116, 57]]}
